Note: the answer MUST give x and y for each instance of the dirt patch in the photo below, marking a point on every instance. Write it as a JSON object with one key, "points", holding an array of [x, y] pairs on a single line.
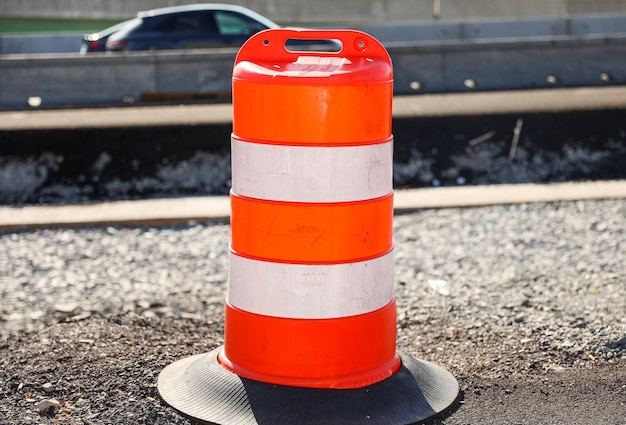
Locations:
{"points": [[104, 370]]}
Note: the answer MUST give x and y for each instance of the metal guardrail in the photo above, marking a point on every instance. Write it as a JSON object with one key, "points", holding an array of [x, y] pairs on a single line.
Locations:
{"points": [[430, 58]]}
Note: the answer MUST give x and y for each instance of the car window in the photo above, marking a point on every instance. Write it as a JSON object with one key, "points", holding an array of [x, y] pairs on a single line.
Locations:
{"points": [[190, 23], [229, 23], [163, 23]]}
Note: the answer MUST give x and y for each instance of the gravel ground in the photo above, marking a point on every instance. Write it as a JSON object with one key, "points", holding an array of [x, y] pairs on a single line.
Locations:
{"points": [[524, 304]]}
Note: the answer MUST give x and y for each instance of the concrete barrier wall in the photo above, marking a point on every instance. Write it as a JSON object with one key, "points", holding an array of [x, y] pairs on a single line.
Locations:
{"points": [[101, 79], [508, 66], [330, 11], [433, 58]]}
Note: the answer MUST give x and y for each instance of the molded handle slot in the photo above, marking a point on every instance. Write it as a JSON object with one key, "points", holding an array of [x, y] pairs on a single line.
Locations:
{"points": [[276, 44]]}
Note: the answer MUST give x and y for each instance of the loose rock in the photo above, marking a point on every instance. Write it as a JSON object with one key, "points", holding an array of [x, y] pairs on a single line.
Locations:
{"points": [[47, 405]]}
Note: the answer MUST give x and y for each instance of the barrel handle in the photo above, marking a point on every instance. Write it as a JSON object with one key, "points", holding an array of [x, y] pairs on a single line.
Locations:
{"points": [[269, 45]]}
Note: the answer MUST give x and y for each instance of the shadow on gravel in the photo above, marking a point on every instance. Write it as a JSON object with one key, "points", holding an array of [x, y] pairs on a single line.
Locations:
{"points": [[82, 165]]}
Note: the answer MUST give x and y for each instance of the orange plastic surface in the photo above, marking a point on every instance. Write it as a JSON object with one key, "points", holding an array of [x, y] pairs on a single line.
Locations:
{"points": [[312, 97], [311, 232], [348, 352], [291, 114]]}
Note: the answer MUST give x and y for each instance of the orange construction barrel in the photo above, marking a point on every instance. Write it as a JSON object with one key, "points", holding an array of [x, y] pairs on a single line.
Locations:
{"points": [[310, 316], [311, 299]]}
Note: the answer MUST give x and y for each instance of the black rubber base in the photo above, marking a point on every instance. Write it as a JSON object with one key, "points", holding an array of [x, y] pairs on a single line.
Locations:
{"points": [[201, 389]]}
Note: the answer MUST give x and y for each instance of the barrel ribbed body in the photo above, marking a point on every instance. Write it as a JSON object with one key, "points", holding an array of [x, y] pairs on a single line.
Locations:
{"points": [[311, 285]]}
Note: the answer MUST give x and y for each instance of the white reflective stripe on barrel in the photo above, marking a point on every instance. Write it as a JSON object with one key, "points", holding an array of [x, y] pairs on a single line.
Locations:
{"points": [[310, 291], [312, 173]]}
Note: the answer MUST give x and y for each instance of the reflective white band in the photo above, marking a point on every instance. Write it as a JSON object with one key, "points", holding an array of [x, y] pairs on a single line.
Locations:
{"points": [[312, 173], [310, 291]]}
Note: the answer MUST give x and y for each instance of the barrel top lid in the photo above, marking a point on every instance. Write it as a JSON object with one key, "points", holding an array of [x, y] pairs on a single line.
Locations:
{"points": [[264, 57]]}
